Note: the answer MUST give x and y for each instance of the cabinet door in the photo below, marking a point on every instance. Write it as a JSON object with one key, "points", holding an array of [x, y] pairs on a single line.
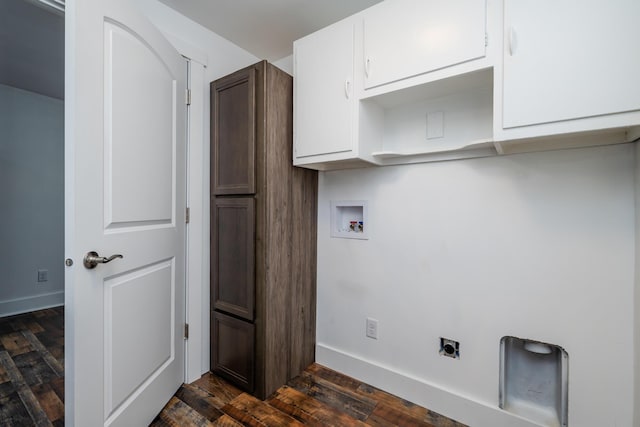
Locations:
{"points": [[233, 349], [404, 38], [323, 91], [233, 256], [569, 59], [233, 130]]}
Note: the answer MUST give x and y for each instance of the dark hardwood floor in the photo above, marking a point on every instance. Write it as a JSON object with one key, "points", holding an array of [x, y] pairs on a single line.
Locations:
{"points": [[32, 369], [318, 397], [32, 390]]}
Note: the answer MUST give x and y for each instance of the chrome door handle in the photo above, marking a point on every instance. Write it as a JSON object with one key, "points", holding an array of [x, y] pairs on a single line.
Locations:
{"points": [[92, 259]]}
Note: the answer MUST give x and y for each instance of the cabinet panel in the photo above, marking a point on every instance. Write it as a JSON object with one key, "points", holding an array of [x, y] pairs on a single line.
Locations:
{"points": [[233, 106], [232, 347], [570, 59], [323, 91], [404, 38], [233, 256]]}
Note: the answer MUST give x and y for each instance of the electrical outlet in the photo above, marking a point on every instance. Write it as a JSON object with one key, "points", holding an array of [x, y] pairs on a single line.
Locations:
{"points": [[449, 348], [43, 275], [372, 328]]}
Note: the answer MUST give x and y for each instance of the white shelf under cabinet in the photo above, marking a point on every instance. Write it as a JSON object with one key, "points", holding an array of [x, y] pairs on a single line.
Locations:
{"points": [[486, 144], [476, 149], [462, 106]]}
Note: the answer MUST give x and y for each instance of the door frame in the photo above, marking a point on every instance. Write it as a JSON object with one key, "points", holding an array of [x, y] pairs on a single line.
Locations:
{"points": [[197, 232], [197, 266]]}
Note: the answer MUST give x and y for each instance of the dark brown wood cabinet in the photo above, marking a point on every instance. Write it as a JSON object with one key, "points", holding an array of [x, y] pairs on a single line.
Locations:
{"points": [[233, 255], [236, 358], [263, 234], [233, 123]]}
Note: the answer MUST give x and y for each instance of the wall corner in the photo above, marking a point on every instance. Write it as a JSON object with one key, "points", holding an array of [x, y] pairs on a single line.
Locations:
{"points": [[636, 326]]}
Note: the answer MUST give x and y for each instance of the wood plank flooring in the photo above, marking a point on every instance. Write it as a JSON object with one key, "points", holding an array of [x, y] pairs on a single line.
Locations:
{"points": [[317, 397], [32, 391], [32, 369]]}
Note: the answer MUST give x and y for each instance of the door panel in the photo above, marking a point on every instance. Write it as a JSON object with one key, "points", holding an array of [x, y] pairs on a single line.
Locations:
{"points": [[139, 349], [233, 105], [324, 92], [233, 356], [559, 66], [233, 256], [405, 38], [125, 194], [139, 131]]}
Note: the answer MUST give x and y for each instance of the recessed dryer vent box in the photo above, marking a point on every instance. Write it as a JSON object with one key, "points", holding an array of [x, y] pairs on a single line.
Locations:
{"points": [[349, 219], [534, 380]]}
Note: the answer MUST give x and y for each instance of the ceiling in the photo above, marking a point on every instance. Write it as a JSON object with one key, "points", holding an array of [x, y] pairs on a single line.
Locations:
{"points": [[31, 48], [267, 28]]}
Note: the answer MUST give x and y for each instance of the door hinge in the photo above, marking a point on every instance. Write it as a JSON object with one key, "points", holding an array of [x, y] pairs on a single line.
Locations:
{"points": [[188, 97], [486, 41], [186, 331], [187, 215]]}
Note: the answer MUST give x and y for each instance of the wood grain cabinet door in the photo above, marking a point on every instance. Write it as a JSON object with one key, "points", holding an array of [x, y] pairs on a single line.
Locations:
{"points": [[233, 256], [233, 133], [232, 352]]}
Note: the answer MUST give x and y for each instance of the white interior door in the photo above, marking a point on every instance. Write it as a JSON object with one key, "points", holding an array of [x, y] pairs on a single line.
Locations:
{"points": [[125, 194]]}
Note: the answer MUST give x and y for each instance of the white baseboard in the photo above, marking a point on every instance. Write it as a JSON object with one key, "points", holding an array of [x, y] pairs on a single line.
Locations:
{"points": [[453, 405], [27, 304]]}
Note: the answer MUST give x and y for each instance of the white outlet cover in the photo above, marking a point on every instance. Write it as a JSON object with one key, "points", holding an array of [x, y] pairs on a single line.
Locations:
{"points": [[372, 328], [435, 125]]}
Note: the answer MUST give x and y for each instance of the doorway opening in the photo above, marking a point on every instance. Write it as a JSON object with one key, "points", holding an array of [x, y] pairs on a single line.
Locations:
{"points": [[32, 212]]}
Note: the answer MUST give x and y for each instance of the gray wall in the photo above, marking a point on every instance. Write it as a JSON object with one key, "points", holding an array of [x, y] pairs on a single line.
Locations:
{"points": [[32, 207]]}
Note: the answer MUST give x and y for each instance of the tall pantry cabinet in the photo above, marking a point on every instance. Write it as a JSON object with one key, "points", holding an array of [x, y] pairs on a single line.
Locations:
{"points": [[263, 234]]}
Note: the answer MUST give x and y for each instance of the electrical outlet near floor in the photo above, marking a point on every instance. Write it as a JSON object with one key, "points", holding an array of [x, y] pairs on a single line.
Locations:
{"points": [[372, 328], [449, 348], [43, 275]]}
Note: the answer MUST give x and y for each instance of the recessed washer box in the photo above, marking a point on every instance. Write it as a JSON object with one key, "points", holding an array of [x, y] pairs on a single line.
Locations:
{"points": [[534, 381], [349, 219]]}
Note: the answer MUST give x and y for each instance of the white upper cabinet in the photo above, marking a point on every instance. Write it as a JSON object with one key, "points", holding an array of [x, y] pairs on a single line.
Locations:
{"points": [[409, 81], [324, 97], [405, 38], [570, 59]]}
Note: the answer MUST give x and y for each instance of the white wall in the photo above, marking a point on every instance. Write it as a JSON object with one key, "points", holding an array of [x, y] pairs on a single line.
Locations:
{"points": [[219, 55], [537, 246], [285, 64], [31, 209]]}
